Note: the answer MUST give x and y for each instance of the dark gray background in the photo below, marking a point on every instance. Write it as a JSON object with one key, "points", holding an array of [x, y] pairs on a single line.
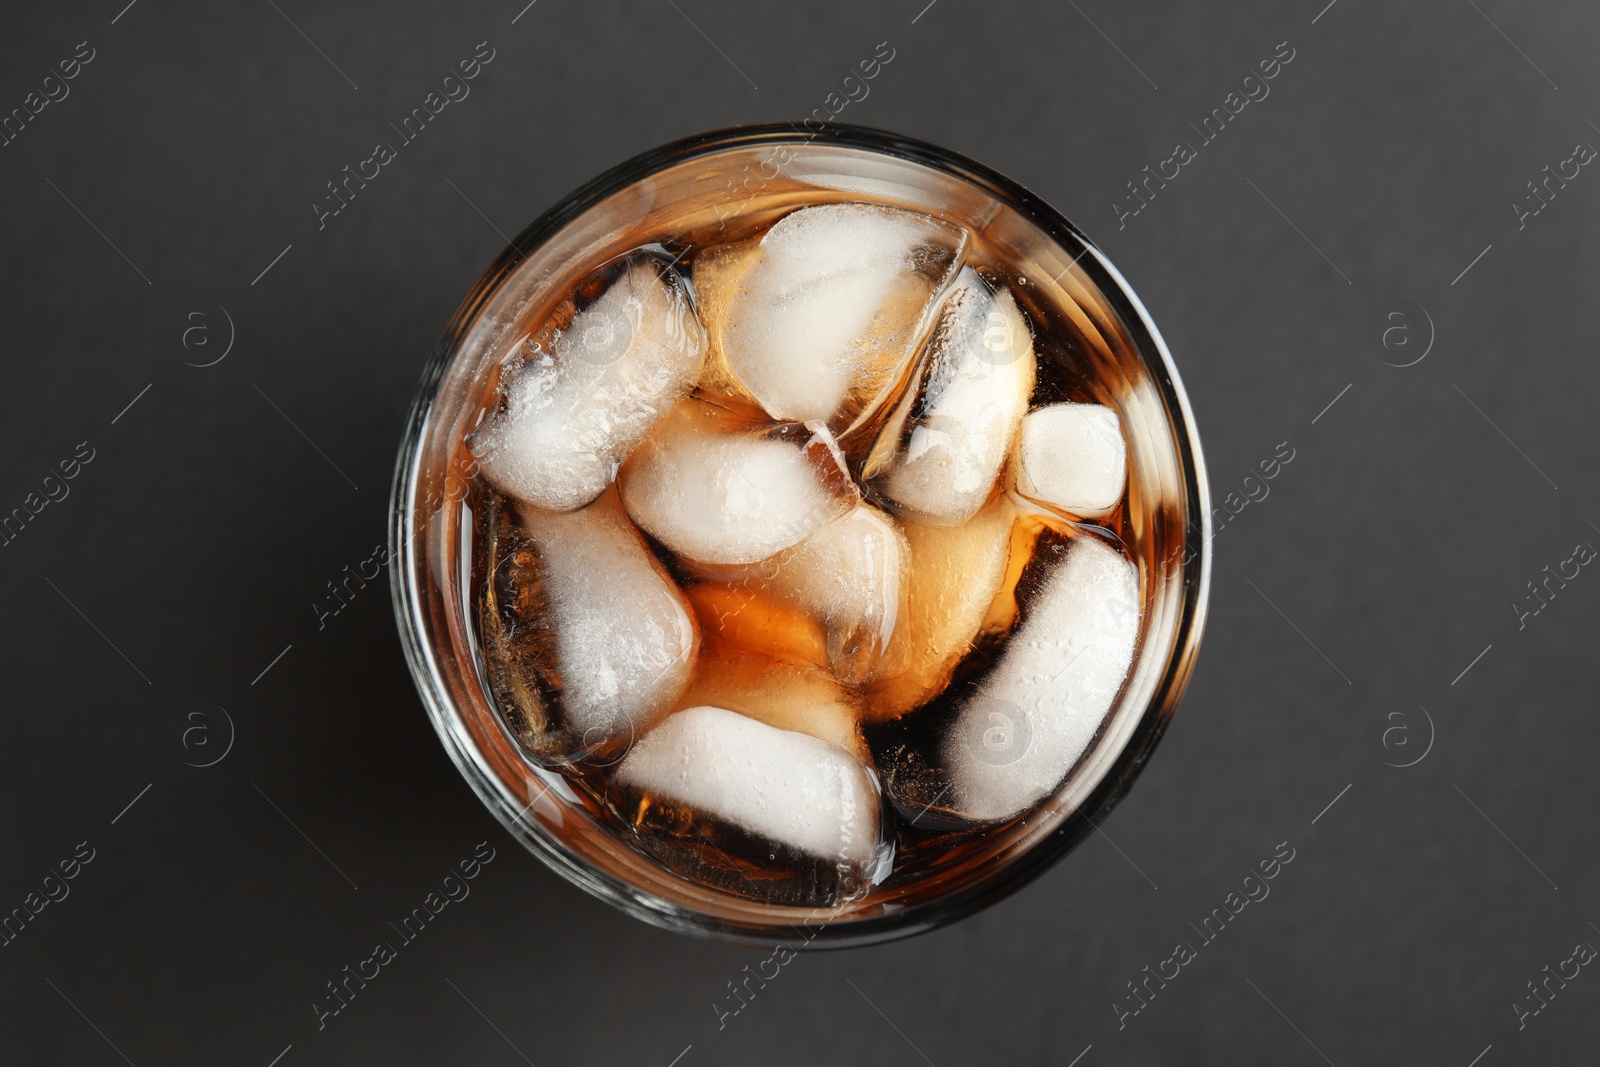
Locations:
{"points": [[191, 549]]}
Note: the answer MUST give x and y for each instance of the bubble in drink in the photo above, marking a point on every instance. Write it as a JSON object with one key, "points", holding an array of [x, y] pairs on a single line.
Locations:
{"points": [[788, 569]]}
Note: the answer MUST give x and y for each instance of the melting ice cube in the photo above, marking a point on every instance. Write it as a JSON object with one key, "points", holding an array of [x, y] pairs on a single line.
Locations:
{"points": [[848, 576], [587, 394], [824, 319], [1072, 456], [739, 497], [782, 786], [1032, 716], [938, 455], [590, 640]]}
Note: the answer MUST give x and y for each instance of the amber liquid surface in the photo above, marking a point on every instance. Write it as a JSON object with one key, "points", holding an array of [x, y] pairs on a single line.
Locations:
{"points": [[899, 727]]}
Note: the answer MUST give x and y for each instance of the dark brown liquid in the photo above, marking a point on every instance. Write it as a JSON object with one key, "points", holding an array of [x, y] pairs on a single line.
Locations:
{"points": [[514, 630]]}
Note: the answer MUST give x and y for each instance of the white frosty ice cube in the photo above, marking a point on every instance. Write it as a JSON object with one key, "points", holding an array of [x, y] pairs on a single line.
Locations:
{"points": [[939, 454], [1072, 456], [849, 576], [823, 319], [784, 786], [624, 640], [734, 497], [590, 393], [1035, 713]]}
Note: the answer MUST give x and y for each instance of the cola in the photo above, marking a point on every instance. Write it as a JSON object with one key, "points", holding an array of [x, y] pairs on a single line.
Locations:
{"points": [[800, 545]]}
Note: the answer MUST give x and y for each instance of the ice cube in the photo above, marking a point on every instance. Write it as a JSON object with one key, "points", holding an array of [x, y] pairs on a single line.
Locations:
{"points": [[824, 320], [1031, 717], [788, 696], [785, 787], [848, 576], [587, 394], [939, 453], [590, 641], [1072, 456], [952, 580], [716, 274], [733, 497]]}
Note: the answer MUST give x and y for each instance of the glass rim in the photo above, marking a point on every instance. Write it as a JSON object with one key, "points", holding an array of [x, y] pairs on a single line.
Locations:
{"points": [[1195, 575]]}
